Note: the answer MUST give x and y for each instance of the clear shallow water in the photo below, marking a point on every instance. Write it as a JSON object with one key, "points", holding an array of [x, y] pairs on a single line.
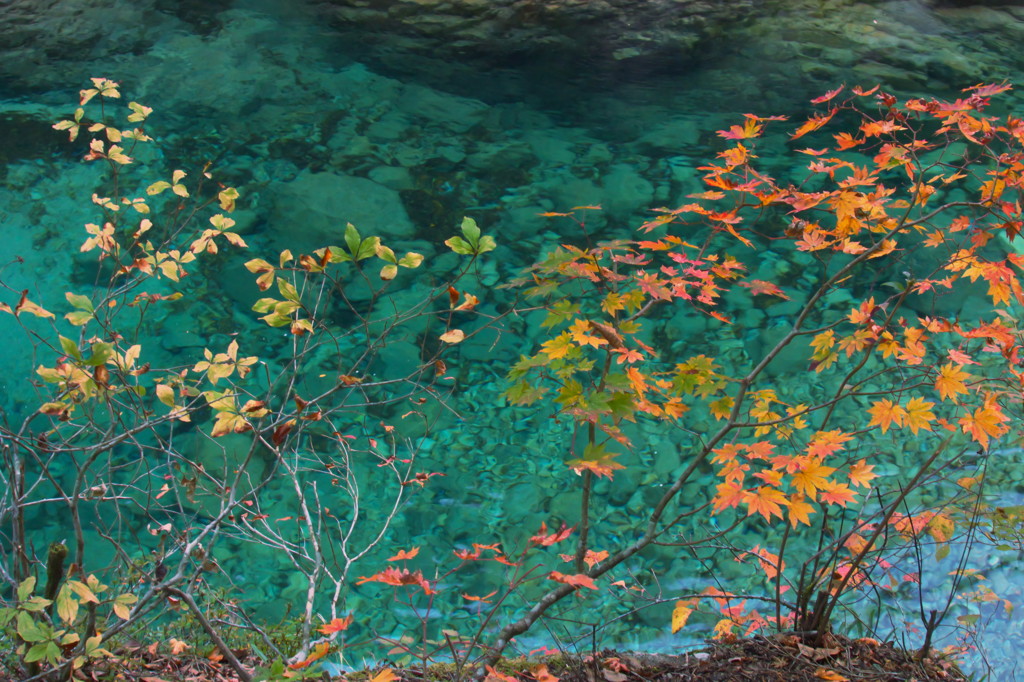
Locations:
{"points": [[275, 96]]}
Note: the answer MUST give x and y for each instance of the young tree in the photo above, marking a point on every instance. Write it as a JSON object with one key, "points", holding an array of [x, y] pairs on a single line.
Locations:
{"points": [[157, 465]]}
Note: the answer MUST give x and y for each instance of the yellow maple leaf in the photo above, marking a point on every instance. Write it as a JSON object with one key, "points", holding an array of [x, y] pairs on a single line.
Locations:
{"points": [[811, 476], [799, 511], [861, 474], [950, 381], [884, 412], [579, 334], [557, 347], [918, 415]]}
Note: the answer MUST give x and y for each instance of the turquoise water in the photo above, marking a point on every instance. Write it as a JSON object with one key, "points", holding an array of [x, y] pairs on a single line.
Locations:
{"points": [[318, 125]]}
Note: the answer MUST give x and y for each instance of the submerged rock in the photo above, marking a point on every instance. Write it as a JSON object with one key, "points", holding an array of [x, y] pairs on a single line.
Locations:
{"points": [[514, 30], [312, 211], [49, 42]]}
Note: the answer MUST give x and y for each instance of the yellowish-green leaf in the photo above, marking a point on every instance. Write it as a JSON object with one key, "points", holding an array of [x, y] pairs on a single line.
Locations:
{"points": [[26, 587], [78, 317], [70, 348], [139, 112], [227, 197], [165, 394], [288, 290], [122, 605], [67, 605], [79, 301], [411, 260]]}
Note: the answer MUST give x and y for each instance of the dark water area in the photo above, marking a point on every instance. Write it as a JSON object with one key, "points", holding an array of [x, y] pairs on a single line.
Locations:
{"points": [[319, 123]]}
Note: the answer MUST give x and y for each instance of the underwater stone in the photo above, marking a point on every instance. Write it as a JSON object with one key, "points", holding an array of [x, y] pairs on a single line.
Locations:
{"points": [[46, 42], [392, 177], [312, 211], [626, 191]]}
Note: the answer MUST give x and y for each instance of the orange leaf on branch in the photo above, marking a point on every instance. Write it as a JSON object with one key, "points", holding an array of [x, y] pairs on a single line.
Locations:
{"points": [[577, 581]]}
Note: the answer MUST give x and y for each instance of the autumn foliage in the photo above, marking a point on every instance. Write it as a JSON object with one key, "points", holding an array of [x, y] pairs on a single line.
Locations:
{"points": [[891, 369]]}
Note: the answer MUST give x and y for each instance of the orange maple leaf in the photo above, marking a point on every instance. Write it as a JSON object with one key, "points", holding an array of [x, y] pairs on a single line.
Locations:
{"points": [[765, 501], [318, 652], [579, 580], [950, 381], [336, 625], [825, 443], [813, 123], [542, 674], [811, 476], [759, 286], [729, 495], [799, 511], [385, 675], [985, 422], [861, 474], [405, 554], [749, 129], [884, 413], [837, 493], [547, 540]]}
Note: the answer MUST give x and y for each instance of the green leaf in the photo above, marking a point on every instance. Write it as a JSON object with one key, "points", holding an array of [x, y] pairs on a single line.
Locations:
{"points": [[486, 244], [385, 253], [562, 311], [338, 254], [352, 239], [26, 587], [471, 232], [34, 604], [524, 393], [29, 630], [48, 651], [360, 248], [473, 244], [70, 348], [158, 187], [83, 590], [288, 290], [79, 301], [276, 319], [92, 645], [622, 405], [101, 352], [459, 246], [411, 260], [265, 305], [78, 317], [67, 605]]}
